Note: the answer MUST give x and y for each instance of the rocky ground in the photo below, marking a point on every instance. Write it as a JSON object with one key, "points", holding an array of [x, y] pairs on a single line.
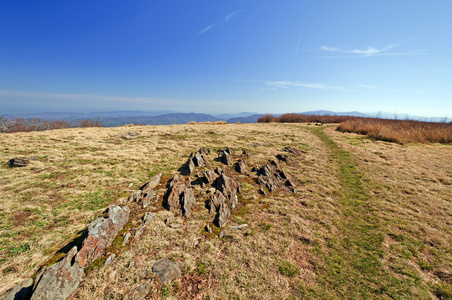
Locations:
{"points": [[249, 211]]}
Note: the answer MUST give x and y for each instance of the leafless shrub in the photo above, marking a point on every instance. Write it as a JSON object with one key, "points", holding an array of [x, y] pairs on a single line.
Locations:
{"points": [[91, 123], [268, 118]]}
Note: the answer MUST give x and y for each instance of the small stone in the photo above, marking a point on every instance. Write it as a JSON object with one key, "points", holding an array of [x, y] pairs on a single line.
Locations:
{"points": [[167, 270], [196, 243], [208, 228], [175, 225], [18, 162], [130, 185], [240, 226], [109, 260], [221, 235]]}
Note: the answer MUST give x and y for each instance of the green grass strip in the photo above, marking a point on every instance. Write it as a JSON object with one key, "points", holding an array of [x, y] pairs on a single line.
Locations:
{"points": [[352, 268]]}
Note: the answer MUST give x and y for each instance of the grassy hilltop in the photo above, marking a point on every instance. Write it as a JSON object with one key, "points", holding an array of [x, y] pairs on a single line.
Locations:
{"points": [[369, 219]]}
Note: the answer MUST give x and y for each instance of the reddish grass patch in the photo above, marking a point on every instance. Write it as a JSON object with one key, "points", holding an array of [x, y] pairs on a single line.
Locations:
{"points": [[399, 131]]}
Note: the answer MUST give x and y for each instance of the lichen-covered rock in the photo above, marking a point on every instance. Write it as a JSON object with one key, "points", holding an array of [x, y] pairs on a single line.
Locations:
{"points": [[213, 204], [101, 233], [60, 280], [228, 186], [167, 270], [272, 177], [223, 215], [187, 201], [173, 195]]}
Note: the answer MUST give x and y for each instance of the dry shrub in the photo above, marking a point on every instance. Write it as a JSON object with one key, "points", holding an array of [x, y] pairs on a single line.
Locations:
{"points": [[268, 118], [91, 123], [300, 118], [399, 131]]}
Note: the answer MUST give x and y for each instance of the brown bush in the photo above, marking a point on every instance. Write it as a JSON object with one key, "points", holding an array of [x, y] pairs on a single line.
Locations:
{"points": [[399, 131], [268, 118]]}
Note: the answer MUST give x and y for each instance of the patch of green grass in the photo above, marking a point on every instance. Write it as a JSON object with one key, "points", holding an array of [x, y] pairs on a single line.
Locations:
{"points": [[287, 269], [19, 249]]}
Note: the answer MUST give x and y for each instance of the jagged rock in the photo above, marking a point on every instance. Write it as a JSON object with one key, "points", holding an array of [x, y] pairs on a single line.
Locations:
{"points": [[101, 233], [140, 292], [147, 218], [262, 192], [175, 191], [241, 166], [126, 238], [167, 270], [210, 176], [148, 198], [187, 201], [226, 158], [223, 215], [256, 145], [152, 183], [197, 159], [21, 291], [244, 153], [18, 162], [296, 152], [228, 150], [60, 280], [135, 196], [228, 186], [215, 201], [288, 160], [109, 260]]}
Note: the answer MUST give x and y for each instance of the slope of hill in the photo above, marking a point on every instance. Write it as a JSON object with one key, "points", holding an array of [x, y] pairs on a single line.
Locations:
{"points": [[353, 217]]}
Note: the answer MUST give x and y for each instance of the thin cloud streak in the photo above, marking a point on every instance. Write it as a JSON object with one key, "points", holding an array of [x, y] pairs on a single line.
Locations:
{"points": [[286, 84], [368, 52], [221, 21]]}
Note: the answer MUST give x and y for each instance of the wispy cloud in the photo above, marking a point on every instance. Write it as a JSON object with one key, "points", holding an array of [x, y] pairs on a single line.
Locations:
{"points": [[367, 52], [221, 21], [286, 84]]}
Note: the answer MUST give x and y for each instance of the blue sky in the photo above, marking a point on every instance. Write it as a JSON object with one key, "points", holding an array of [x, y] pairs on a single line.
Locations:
{"points": [[226, 56]]}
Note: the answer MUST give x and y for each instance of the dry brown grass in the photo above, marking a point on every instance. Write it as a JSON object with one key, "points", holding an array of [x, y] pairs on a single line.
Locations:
{"points": [[79, 171], [400, 131], [208, 123]]}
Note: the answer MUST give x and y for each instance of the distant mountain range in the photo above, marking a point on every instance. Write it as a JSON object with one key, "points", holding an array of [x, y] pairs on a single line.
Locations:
{"points": [[118, 118]]}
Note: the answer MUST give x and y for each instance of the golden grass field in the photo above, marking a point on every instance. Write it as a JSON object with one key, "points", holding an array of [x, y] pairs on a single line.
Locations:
{"points": [[370, 219]]}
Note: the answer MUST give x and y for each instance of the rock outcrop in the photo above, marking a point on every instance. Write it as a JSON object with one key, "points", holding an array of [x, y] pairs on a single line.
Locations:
{"points": [[241, 167], [272, 177], [101, 233], [60, 280], [197, 159]]}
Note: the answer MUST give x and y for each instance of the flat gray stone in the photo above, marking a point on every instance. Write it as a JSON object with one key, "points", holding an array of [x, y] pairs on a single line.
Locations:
{"points": [[167, 270]]}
